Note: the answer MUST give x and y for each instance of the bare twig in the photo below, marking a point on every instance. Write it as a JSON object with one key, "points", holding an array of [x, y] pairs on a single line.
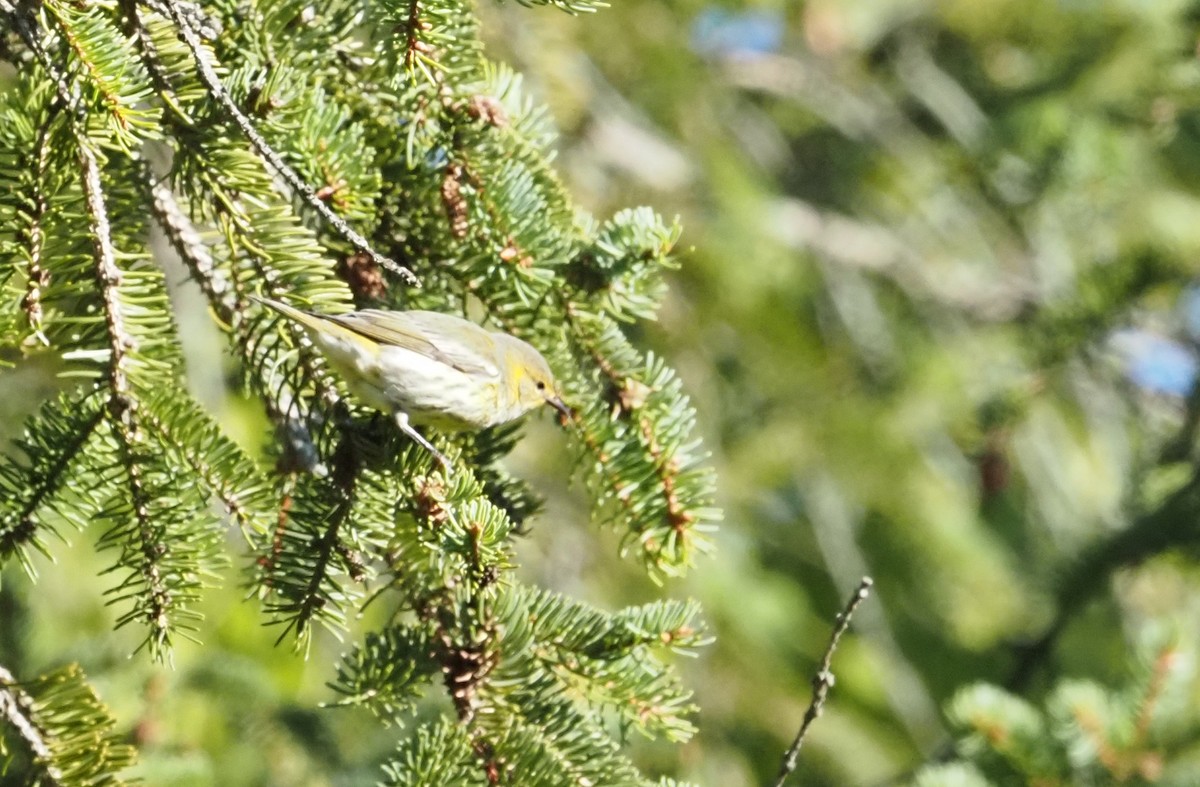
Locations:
{"points": [[823, 681], [217, 89]]}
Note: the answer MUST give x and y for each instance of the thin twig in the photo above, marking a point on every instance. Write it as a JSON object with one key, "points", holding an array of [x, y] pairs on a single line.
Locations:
{"points": [[217, 89], [823, 681]]}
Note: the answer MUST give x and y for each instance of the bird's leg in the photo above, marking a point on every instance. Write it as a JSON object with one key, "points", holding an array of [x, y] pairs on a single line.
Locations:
{"points": [[402, 422]]}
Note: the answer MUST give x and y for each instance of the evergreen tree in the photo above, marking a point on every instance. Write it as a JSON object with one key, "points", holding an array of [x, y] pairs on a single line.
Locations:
{"points": [[333, 155]]}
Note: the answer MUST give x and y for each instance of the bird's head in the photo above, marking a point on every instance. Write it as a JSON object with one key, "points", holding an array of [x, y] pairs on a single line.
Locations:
{"points": [[530, 380]]}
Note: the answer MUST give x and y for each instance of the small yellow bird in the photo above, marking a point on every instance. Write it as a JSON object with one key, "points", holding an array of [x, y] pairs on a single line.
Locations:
{"points": [[426, 368]]}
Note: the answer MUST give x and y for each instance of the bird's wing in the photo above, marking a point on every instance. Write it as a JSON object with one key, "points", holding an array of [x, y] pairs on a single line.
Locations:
{"points": [[450, 340]]}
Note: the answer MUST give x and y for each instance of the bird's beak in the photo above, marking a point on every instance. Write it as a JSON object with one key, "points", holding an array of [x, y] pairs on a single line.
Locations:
{"points": [[558, 404]]}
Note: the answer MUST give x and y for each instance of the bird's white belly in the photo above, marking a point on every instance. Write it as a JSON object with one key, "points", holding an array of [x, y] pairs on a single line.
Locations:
{"points": [[429, 391]]}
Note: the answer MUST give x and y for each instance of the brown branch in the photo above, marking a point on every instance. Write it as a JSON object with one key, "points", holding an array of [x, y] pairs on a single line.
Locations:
{"points": [[823, 681], [122, 405], [268, 561], [412, 44], [37, 276]]}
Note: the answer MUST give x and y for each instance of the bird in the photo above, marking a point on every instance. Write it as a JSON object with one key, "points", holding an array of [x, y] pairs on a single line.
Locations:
{"points": [[425, 368]]}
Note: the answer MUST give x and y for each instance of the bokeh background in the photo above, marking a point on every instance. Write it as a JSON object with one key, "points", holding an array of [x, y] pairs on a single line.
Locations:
{"points": [[937, 314], [937, 311]]}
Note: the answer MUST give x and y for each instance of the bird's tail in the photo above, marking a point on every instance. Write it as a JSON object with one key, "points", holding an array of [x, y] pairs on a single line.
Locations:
{"points": [[309, 320], [321, 328]]}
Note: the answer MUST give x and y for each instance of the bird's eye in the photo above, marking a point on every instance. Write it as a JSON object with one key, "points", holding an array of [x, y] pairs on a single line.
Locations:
{"points": [[541, 386]]}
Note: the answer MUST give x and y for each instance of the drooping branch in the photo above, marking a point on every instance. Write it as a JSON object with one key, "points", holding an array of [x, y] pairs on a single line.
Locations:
{"points": [[326, 548], [225, 297], [31, 35], [123, 414], [218, 91]]}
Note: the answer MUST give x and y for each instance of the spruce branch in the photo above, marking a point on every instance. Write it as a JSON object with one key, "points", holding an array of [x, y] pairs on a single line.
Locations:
{"points": [[467, 183], [428, 38], [218, 91], [304, 561], [637, 436], [163, 574], [317, 131], [437, 755], [611, 659], [136, 27], [62, 723], [16, 708], [281, 392], [126, 429], [108, 279], [101, 58], [266, 250], [497, 203], [534, 736], [326, 548], [330, 531], [413, 45], [570, 6], [192, 12], [42, 224], [388, 671], [1150, 698], [273, 247], [173, 420], [1086, 733], [31, 35], [823, 680], [53, 443], [267, 563]]}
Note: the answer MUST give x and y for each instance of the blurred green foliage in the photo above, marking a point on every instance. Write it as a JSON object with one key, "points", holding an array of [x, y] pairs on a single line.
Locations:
{"points": [[918, 232], [922, 236]]}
